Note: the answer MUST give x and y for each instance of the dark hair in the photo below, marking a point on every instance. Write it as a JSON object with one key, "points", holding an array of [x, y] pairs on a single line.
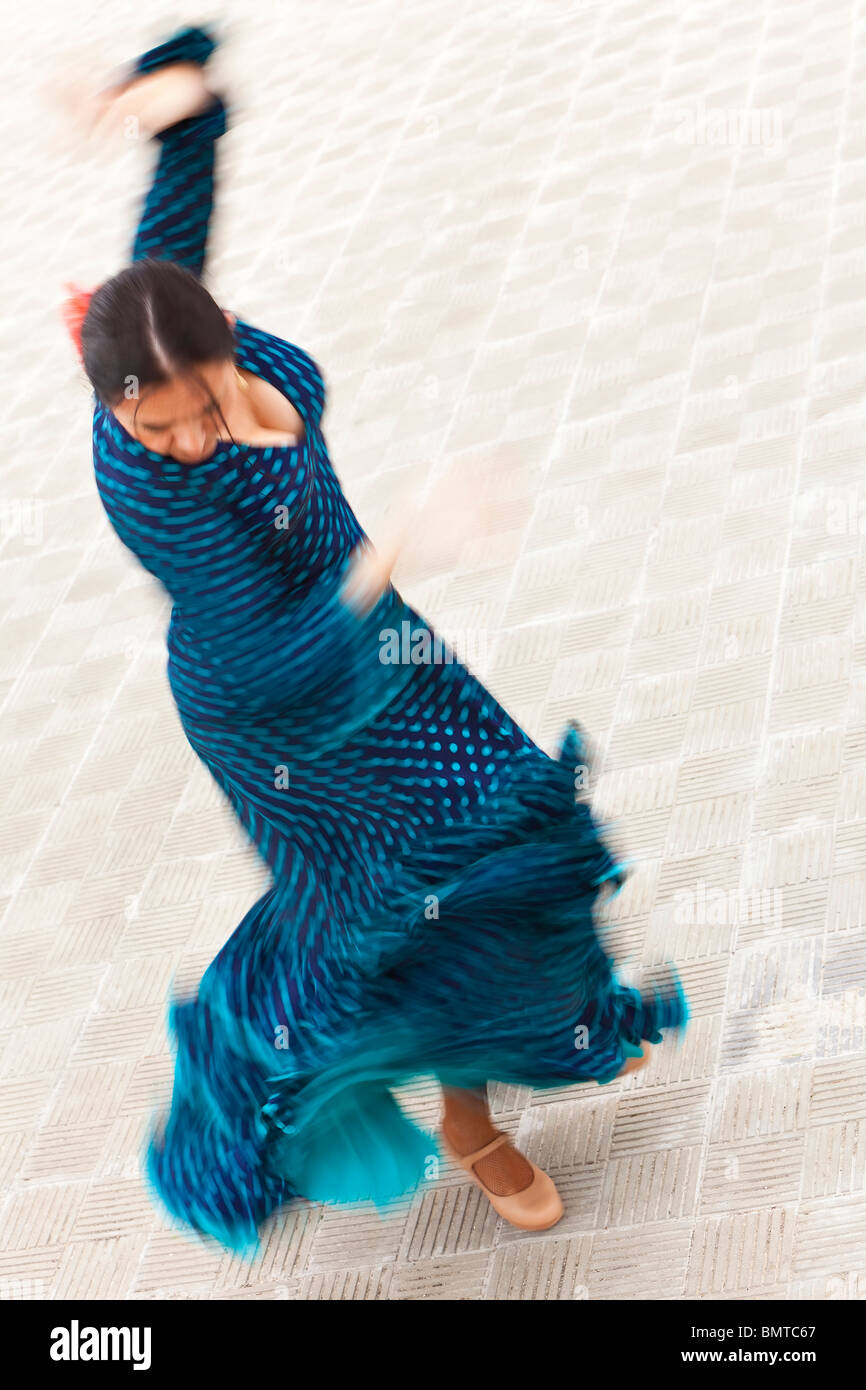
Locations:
{"points": [[152, 321]]}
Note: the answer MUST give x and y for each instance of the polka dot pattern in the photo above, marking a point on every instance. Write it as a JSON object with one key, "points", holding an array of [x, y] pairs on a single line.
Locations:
{"points": [[433, 878]]}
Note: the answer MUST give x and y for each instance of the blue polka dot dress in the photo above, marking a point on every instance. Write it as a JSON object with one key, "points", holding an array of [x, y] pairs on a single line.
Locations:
{"points": [[432, 875]]}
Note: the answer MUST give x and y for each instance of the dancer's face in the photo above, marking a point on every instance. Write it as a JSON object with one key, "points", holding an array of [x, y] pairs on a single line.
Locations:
{"points": [[182, 418]]}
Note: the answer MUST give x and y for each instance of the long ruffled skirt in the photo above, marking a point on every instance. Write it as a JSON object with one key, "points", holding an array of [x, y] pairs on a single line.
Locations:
{"points": [[432, 909]]}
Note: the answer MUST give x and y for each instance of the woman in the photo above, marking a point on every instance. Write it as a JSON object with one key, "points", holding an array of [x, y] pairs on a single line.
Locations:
{"points": [[433, 875]]}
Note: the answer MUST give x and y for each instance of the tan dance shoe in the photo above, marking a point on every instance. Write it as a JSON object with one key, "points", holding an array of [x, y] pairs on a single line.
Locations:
{"points": [[536, 1208]]}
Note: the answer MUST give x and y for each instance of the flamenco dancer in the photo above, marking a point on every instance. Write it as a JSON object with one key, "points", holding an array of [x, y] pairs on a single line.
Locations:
{"points": [[433, 875]]}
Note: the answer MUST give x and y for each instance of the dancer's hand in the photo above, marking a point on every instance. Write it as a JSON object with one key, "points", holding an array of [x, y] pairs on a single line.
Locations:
{"points": [[429, 536], [154, 101], [368, 576]]}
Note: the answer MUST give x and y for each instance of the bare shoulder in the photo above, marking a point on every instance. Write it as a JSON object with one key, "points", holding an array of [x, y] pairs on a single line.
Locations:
{"points": [[272, 410]]}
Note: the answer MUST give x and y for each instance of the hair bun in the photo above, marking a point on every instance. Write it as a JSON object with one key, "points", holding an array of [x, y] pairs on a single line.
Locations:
{"points": [[74, 310]]}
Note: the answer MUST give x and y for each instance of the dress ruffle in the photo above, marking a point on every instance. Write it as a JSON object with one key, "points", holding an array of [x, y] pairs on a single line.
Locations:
{"points": [[478, 960]]}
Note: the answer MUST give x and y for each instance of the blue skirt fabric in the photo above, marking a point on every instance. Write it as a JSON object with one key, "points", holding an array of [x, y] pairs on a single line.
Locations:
{"points": [[434, 879]]}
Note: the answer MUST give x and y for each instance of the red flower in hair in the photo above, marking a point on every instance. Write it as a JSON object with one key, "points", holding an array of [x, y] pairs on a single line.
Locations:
{"points": [[74, 308]]}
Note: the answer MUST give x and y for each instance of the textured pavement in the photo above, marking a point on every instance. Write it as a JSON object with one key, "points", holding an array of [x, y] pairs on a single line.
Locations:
{"points": [[602, 264]]}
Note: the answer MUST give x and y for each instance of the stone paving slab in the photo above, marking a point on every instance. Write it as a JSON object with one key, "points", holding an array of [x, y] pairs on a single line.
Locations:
{"points": [[602, 265]]}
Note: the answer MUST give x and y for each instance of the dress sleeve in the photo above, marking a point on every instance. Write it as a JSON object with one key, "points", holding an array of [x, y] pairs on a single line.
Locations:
{"points": [[175, 218]]}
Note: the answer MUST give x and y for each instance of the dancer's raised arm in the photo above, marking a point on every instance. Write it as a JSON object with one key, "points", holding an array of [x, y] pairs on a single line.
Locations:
{"points": [[167, 98]]}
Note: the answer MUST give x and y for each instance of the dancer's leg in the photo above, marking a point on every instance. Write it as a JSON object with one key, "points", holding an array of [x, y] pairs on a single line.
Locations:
{"points": [[634, 1063], [467, 1126]]}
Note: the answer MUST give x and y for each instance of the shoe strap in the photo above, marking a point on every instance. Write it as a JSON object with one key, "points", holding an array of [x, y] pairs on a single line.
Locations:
{"points": [[470, 1159]]}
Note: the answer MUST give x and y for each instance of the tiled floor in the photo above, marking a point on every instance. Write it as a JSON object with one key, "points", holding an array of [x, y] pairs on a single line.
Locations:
{"points": [[601, 264]]}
